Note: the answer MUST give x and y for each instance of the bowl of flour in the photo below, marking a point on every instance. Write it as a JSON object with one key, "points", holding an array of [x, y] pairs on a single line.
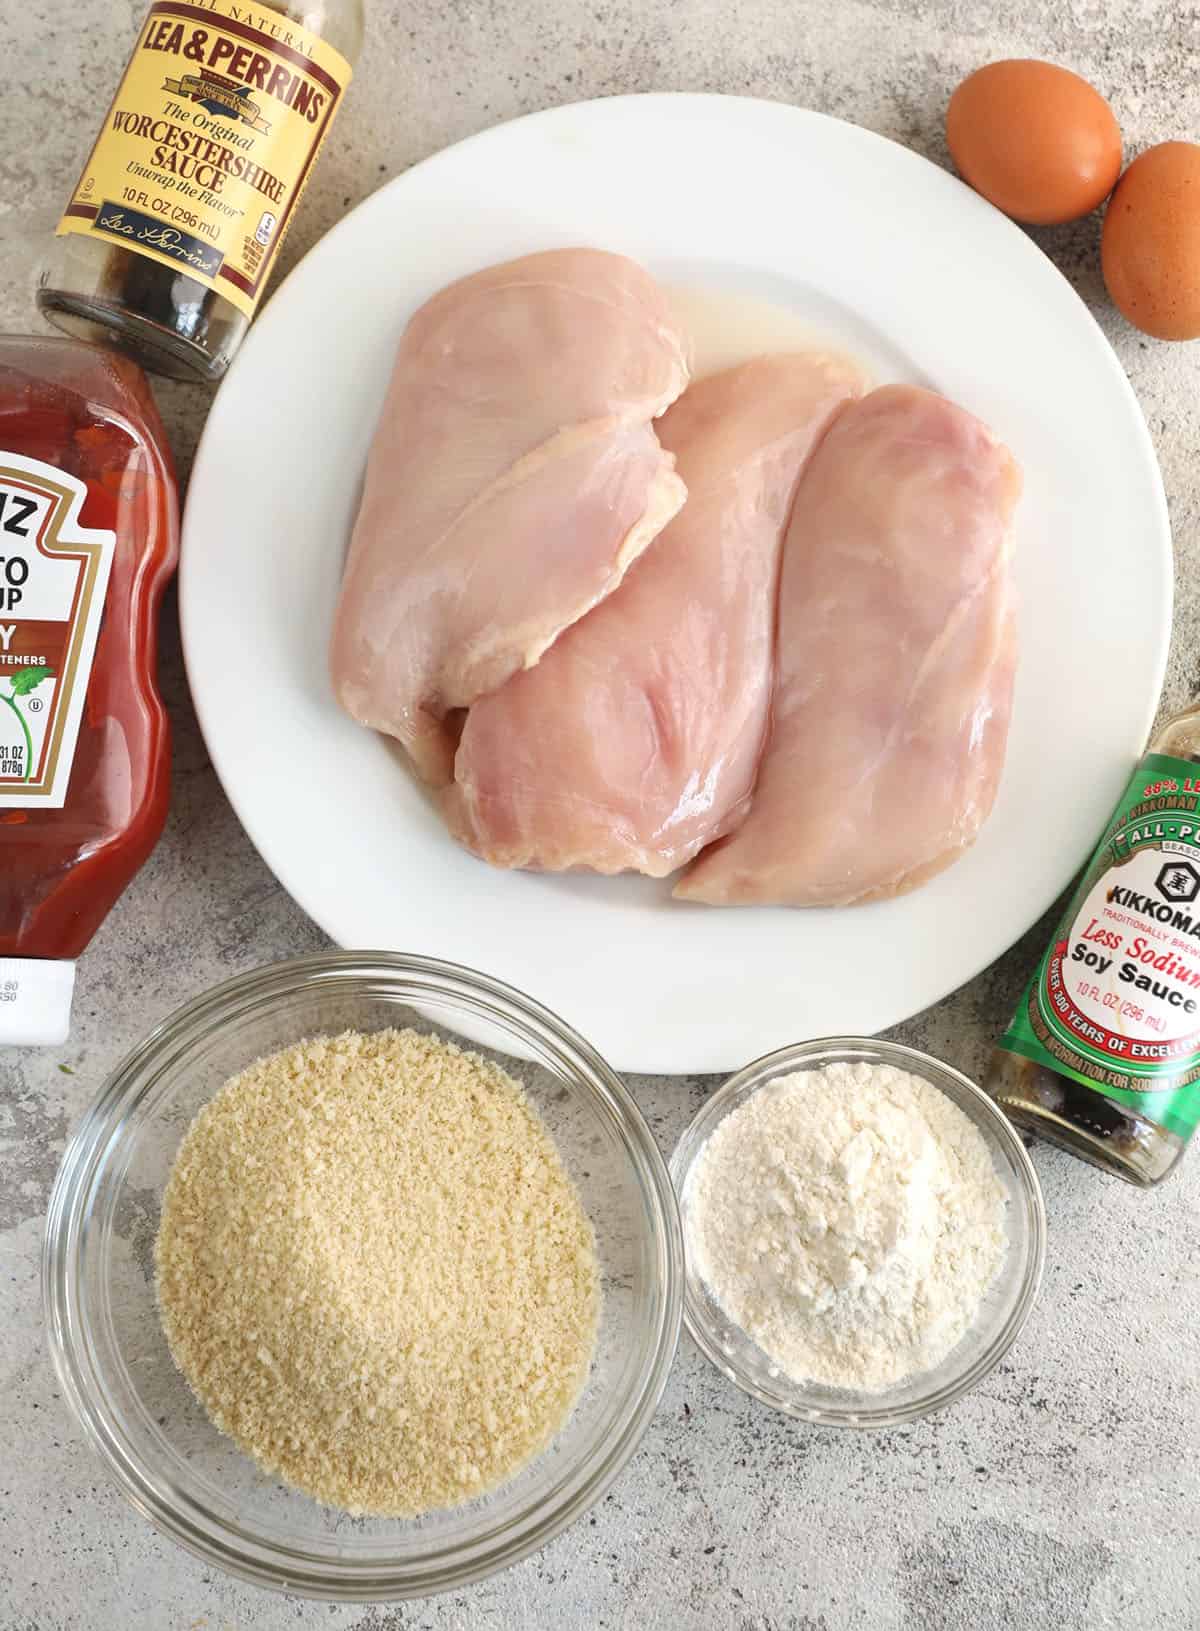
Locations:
{"points": [[864, 1231]]}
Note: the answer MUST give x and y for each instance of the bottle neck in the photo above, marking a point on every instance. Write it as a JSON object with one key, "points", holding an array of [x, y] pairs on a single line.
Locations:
{"points": [[1180, 735], [340, 22]]}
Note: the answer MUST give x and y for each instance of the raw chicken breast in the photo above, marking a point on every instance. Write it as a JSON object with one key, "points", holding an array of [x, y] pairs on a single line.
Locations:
{"points": [[895, 667], [514, 477], [636, 739]]}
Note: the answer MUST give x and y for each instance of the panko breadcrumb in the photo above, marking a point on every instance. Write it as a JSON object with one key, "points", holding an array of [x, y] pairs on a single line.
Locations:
{"points": [[375, 1273]]}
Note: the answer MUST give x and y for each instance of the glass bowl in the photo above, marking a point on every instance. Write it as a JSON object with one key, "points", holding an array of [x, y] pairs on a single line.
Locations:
{"points": [[136, 1409], [1005, 1307]]}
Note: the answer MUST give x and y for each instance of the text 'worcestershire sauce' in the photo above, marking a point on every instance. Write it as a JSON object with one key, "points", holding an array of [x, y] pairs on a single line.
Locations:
{"points": [[1103, 1054], [172, 233]]}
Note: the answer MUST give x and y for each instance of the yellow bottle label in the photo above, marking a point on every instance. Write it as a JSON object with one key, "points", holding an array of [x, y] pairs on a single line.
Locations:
{"points": [[209, 141]]}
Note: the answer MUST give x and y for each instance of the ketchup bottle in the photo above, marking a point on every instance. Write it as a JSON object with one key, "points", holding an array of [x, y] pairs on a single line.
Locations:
{"points": [[88, 538]]}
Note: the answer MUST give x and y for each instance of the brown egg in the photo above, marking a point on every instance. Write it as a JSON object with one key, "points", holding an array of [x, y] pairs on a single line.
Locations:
{"points": [[1037, 141], [1150, 246]]}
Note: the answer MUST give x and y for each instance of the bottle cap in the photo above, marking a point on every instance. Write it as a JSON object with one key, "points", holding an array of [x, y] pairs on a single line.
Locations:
{"points": [[35, 1001]]}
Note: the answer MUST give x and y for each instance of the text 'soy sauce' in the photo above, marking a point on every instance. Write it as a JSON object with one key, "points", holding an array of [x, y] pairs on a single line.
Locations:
{"points": [[88, 539]]}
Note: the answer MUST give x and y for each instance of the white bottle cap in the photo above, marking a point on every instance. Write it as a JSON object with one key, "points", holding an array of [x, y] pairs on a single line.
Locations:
{"points": [[35, 1001]]}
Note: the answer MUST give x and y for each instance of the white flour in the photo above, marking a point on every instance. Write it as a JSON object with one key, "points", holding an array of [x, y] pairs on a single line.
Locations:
{"points": [[849, 1219]]}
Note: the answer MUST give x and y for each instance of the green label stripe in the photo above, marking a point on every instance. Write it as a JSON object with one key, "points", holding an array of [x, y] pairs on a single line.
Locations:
{"points": [[1179, 1112]]}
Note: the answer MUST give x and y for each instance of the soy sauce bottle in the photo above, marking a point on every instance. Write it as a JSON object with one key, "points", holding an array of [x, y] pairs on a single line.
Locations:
{"points": [[170, 237], [1103, 1054]]}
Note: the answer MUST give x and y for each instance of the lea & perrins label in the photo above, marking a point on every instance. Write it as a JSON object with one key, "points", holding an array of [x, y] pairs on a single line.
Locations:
{"points": [[209, 141]]}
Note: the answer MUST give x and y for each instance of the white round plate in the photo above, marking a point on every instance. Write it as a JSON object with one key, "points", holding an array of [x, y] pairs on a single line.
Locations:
{"points": [[869, 242]]}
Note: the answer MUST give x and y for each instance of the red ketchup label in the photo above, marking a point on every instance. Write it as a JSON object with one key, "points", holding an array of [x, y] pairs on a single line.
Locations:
{"points": [[53, 580]]}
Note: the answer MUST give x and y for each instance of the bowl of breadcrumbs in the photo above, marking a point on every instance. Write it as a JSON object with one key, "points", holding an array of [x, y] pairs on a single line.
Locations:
{"points": [[364, 1276]]}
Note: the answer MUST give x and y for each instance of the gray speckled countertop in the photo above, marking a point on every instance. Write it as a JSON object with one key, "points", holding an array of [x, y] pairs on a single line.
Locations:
{"points": [[1064, 1493]]}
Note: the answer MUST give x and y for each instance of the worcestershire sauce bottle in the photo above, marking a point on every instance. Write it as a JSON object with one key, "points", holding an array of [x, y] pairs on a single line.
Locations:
{"points": [[173, 230]]}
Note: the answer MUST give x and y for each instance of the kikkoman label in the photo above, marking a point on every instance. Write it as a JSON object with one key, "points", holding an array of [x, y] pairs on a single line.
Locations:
{"points": [[1115, 1001], [53, 579], [209, 141]]}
